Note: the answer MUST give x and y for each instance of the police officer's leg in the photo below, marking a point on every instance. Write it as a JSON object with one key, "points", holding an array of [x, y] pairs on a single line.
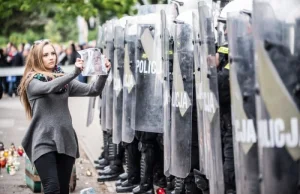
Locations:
{"points": [[115, 154], [229, 176], [103, 159], [190, 186], [146, 146], [133, 167], [158, 171]]}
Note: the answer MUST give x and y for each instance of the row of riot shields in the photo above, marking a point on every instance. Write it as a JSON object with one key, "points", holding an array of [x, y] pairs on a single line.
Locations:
{"points": [[208, 102], [181, 97], [129, 83], [135, 79], [242, 82], [265, 97], [164, 64], [276, 34]]}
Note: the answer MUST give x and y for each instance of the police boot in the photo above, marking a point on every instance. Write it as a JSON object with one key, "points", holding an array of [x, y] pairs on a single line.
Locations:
{"points": [[113, 154], [230, 191], [190, 186], [170, 183], [159, 178], [147, 162], [122, 177], [133, 170], [115, 159], [105, 160], [201, 182], [115, 168], [102, 155], [179, 186]]}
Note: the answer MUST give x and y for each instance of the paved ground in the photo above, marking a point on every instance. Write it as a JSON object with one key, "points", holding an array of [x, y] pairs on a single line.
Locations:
{"points": [[13, 125]]}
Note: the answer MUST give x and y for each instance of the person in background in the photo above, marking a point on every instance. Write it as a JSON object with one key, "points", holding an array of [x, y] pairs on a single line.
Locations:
{"points": [[8, 46], [26, 52], [61, 55], [72, 54], [81, 78], [21, 48], [1, 88], [14, 59], [2, 79], [3, 63]]}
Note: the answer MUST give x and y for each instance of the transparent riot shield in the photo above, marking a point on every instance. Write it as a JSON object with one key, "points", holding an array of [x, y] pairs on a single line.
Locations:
{"points": [[100, 35], [197, 70], [103, 109], [166, 40], [169, 9], [103, 94], [129, 82], [242, 87], [109, 53], [146, 65], [91, 111], [118, 83], [148, 72], [276, 33], [211, 115], [182, 97]]}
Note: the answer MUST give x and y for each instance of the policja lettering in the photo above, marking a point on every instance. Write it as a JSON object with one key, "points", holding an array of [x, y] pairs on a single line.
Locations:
{"points": [[274, 135], [245, 131], [208, 99], [146, 66], [180, 100]]}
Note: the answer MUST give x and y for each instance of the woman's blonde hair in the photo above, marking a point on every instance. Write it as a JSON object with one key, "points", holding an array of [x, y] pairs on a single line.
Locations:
{"points": [[34, 65]]}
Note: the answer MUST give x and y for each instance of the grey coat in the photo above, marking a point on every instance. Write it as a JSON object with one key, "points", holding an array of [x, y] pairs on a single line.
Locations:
{"points": [[51, 126]]}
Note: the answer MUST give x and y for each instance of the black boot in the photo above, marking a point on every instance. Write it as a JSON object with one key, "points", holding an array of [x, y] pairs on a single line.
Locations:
{"points": [[179, 186], [119, 182], [201, 182], [109, 154], [190, 186], [133, 170], [123, 176], [115, 160], [115, 168], [147, 162], [170, 183], [105, 149], [230, 191], [102, 164]]}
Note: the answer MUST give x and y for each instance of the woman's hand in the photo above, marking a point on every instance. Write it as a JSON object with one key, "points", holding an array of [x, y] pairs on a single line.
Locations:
{"points": [[79, 64], [107, 64]]}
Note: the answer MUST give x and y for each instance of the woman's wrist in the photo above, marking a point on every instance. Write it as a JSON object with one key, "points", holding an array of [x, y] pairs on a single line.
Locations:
{"points": [[77, 70]]}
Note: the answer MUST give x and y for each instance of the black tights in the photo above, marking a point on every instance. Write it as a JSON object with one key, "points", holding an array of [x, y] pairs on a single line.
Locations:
{"points": [[55, 172]]}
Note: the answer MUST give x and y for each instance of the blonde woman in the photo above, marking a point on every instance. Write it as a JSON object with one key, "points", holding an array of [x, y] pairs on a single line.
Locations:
{"points": [[51, 142]]}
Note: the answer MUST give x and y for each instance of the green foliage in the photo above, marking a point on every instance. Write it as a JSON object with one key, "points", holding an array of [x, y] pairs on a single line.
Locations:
{"points": [[28, 37], [56, 19], [3, 41], [92, 34]]}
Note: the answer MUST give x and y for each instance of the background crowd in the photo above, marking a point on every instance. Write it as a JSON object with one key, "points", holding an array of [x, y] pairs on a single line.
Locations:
{"points": [[15, 56]]}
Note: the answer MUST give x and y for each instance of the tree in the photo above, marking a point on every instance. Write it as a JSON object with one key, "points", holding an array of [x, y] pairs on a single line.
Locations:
{"points": [[56, 18]]}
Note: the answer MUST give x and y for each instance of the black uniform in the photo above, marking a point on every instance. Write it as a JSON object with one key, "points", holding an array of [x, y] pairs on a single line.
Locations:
{"points": [[225, 119]]}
